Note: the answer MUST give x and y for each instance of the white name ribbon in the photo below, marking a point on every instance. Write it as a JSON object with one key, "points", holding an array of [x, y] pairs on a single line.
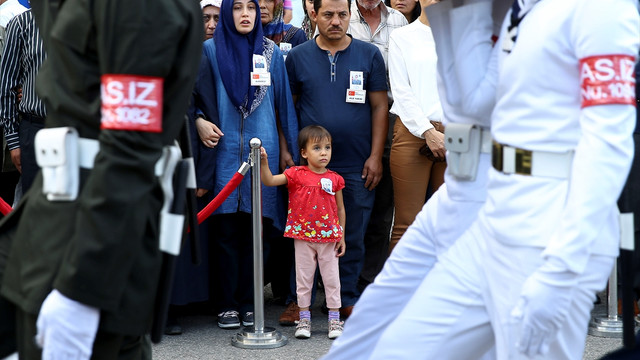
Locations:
{"points": [[260, 79], [356, 93], [285, 48], [356, 96], [327, 185], [356, 80], [260, 76]]}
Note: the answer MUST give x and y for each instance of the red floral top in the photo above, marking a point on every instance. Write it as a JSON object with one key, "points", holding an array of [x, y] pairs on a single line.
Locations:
{"points": [[313, 212]]}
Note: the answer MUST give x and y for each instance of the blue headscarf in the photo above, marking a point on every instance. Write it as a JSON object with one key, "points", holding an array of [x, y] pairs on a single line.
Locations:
{"points": [[276, 28], [234, 53]]}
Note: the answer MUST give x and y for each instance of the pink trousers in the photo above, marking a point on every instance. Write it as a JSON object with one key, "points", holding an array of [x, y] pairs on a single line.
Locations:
{"points": [[308, 254]]}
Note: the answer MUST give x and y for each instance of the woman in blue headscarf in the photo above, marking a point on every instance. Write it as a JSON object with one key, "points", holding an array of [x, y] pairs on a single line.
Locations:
{"points": [[245, 109], [273, 26]]}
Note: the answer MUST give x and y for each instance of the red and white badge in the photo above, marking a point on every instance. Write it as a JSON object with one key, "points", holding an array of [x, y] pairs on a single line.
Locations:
{"points": [[607, 79], [131, 102]]}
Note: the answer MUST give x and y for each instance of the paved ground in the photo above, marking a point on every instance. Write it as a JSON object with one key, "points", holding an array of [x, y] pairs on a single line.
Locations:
{"points": [[202, 339]]}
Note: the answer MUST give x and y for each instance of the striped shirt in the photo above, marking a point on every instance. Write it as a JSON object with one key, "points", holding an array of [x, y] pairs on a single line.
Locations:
{"points": [[21, 59], [390, 20]]}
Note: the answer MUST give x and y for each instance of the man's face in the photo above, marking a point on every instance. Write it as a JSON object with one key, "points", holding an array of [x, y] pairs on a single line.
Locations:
{"points": [[332, 19], [211, 16], [369, 4]]}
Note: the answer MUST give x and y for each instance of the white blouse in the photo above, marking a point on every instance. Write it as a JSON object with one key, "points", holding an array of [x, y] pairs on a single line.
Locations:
{"points": [[413, 77]]}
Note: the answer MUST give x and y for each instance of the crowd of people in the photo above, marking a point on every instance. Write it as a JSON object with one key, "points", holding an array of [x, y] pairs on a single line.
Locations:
{"points": [[300, 77], [386, 141], [411, 151]]}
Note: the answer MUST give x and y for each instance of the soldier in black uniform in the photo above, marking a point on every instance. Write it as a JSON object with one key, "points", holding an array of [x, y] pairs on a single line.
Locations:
{"points": [[98, 254]]}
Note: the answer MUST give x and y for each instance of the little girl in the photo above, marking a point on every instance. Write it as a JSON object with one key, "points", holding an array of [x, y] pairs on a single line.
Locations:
{"points": [[315, 222]]}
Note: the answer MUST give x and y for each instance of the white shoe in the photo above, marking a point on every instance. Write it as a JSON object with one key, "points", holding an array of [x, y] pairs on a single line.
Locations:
{"points": [[335, 328], [303, 329]]}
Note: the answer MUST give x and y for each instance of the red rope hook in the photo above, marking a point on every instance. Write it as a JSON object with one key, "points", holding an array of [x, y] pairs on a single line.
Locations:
{"points": [[224, 193], [4, 207]]}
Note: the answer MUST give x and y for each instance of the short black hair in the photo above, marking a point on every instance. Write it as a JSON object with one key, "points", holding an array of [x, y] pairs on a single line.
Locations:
{"points": [[318, 3]]}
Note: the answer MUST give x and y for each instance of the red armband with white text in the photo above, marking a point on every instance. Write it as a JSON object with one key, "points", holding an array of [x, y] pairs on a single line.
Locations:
{"points": [[607, 79], [131, 102]]}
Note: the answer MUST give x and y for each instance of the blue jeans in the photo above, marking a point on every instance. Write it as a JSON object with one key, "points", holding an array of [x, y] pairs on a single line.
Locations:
{"points": [[358, 202]]}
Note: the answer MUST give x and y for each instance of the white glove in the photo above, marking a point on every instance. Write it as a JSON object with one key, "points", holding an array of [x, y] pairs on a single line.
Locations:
{"points": [[66, 328], [543, 307]]}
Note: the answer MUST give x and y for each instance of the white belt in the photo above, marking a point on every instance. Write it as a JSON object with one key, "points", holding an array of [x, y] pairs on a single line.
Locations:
{"points": [[486, 141], [512, 160]]}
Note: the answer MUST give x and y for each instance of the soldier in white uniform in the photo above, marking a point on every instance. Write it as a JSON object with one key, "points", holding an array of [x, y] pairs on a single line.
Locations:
{"points": [[525, 273], [467, 101]]}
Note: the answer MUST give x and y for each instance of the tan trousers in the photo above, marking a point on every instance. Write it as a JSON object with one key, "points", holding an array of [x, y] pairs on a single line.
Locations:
{"points": [[412, 174]]}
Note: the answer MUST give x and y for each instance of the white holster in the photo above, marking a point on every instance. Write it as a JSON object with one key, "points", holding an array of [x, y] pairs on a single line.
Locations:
{"points": [[464, 143], [57, 155], [60, 152], [171, 225]]}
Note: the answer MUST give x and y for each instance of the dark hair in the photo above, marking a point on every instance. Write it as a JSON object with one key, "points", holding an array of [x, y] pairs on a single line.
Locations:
{"points": [[318, 3], [417, 10], [311, 133]]}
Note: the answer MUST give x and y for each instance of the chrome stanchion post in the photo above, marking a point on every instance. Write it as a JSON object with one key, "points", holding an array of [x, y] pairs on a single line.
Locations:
{"points": [[609, 326], [258, 337]]}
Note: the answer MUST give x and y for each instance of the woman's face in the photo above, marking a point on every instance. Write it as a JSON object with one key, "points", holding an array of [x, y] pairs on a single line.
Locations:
{"points": [[308, 6], [267, 8], [404, 6], [211, 16], [244, 15]]}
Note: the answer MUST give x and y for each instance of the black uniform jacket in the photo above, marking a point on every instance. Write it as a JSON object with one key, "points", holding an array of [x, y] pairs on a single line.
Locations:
{"points": [[102, 249]]}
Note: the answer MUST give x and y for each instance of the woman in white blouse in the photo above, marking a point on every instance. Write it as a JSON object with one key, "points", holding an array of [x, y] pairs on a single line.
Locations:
{"points": [[412, 73]]}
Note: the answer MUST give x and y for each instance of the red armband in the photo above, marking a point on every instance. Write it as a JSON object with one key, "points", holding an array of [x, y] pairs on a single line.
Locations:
{"points": [[607, 79], [131, 102]]}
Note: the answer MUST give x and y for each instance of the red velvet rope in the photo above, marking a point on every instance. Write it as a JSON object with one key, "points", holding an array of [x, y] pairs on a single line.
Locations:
{"points": [[221, 197], [202, 215], [4, 207]]}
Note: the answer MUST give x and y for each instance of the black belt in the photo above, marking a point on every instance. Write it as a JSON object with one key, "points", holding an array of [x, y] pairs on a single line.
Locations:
{"points": [[32, 118]]}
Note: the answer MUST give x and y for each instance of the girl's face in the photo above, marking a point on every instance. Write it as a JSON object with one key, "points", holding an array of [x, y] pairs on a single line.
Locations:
{"points": [[404, 6], [244, 15], [318, 154]]}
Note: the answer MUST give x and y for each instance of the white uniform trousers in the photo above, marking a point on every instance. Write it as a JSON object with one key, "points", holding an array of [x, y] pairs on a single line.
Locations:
{"points": [[440, 222], [462, 308]]}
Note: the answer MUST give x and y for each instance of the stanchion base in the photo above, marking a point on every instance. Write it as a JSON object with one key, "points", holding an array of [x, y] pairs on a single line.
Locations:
{"points": [[248, 338], [606, 327]]}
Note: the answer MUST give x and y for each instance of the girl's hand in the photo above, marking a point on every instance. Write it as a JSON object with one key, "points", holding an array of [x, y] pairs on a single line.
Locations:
{"points": [[341, 248], [263, 154]]}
